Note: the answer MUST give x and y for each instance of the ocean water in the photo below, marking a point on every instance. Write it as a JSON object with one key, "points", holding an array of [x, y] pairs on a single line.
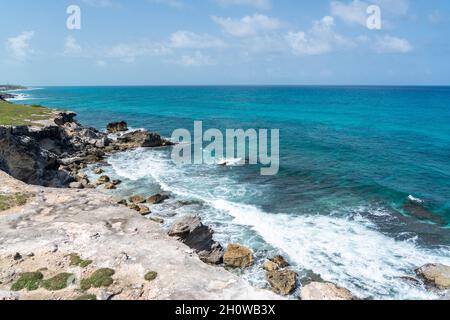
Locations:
{"points": [[350, 158]]}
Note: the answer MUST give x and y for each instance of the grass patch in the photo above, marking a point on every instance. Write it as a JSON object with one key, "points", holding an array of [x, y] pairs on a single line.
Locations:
{"points": [[100, 278], [58, 282], [28, 280], [87, 297], [10, 201], [150, 276], [20, 115], [75, 260]]}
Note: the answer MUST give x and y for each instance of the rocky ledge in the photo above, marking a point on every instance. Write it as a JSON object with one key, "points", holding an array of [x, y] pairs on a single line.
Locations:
{"points": [[51, 155]]}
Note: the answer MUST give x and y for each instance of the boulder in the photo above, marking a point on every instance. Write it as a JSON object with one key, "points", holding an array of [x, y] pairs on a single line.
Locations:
{"points": [[110, 186], [191, 231], [143, 210], [238, 256], [99, 171], [324, 291], [437, 275], [282, 282], [158, 198], [115, 127], [141, 139], [270, 266], [103, 180], [280, 261], [136, 199]]}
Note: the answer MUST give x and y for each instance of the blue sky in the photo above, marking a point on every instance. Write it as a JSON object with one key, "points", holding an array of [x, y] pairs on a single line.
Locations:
{"points": [[213, 42]]}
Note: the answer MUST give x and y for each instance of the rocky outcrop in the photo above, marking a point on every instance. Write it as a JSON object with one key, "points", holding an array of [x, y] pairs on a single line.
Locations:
{"points": [[437, 275], [53, 154], [282, 282], [158, 198], [324, 291], [141, 139], [5, 96], [191, 231], [238, 256], [116, 127]]}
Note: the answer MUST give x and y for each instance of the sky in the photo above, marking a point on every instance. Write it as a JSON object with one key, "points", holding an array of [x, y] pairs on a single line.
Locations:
{"points": [[225, 42]]}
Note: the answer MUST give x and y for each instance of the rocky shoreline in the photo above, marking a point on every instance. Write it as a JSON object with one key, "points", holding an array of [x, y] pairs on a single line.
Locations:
{"points": [[53, 155]]}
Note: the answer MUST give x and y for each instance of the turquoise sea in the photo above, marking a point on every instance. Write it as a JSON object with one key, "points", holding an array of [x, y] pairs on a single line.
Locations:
{"points": [[363, 193]]}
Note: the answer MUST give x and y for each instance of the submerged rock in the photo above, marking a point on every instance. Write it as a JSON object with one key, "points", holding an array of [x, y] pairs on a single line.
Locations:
{"points": [[324, 291], [437, 275], [282, 282], [191, 231], [116, 127], [417, 210], [238, 256]]}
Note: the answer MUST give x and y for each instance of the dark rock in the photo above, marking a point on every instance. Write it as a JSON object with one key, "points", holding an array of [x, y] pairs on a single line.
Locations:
{"points": [[141, 139], [280, 261], [191, 231], [282, 282], [158, 198], [116, 127], [418, 210]]}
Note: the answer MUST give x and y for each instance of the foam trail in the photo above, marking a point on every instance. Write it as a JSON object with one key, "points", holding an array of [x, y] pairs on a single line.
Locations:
{"points": [[347, 251]]}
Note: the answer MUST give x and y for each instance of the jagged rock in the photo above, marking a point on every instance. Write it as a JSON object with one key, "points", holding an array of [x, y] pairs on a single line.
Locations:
{"points": [[280, 261], [141, 139], [238, 256], [110, 186], [116, 127], [103, 180], [158, 198], [136, 199], [116, 182], [282, 282], [270, 266], [143, 210], [98, 171], [437, 275], [324, 291], [191, 231]]}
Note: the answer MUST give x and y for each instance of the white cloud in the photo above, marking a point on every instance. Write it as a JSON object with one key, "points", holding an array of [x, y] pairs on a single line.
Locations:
{"points": [[71, 46], [258, 4], [352, 13], [248, 25], [355, 12], [191, 40], [389, 44], [129, 52], [320, 39], [198, 59], [20, 46]]}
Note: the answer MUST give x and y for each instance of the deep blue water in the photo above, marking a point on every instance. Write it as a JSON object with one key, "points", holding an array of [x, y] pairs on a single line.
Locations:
{"points": [[350, 158]]}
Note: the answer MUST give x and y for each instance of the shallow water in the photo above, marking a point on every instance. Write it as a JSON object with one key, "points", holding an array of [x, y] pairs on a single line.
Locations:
{"points": [[350, 158]]}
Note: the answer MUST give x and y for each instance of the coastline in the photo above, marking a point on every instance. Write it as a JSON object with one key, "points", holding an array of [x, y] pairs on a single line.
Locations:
{"points": [[95, 148]]}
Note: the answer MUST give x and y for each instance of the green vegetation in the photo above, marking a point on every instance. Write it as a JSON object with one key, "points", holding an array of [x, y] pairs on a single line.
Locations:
{"points": [[86, 297], [58, 282], [75, 260], [28, 280], [10, 201], [19, 115], [150, 276], [100, 278]]}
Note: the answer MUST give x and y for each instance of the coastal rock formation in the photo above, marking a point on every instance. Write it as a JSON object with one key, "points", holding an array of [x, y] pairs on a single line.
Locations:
{"points": [[238, 256], [45, 233], [417, 210], [282, 282], [5, 96], [191, 231], [324, 291], [141, 139], [437, 275], [158, 198], [52, 154], [115, 127]]}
